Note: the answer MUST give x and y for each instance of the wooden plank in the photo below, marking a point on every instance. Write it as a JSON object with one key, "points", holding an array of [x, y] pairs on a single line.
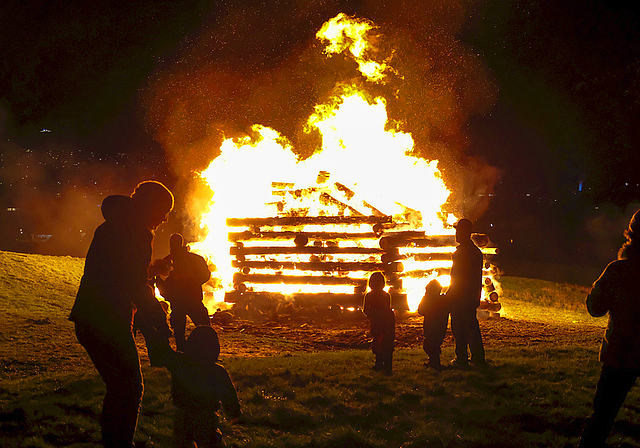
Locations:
{"points": [[268, 250], [318, 266], [296, 279], [306, 220], [280, 236], [324, 299]]}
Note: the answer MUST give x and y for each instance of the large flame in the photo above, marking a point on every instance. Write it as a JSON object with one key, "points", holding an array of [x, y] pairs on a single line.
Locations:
{"points": [[364, 167]]}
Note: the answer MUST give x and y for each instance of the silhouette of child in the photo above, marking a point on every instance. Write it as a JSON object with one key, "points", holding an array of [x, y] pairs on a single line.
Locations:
{"points": [[377, 307], [435, 310], [198, 386]]}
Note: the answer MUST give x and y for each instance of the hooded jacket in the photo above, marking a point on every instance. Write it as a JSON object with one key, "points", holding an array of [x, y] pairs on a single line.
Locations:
{"points": [[114, 284], [617, 292]]}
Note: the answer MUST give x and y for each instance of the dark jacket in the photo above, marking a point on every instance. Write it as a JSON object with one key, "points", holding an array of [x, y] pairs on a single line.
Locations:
{"points": [[435, 309], [199, 387], [114, 284], [184, 284], [465, 289], [617, 292], [377, 307]]}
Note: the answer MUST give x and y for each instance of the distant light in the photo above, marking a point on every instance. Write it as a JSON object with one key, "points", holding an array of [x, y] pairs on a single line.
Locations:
{"points": [[45, 130], [580, 186]]}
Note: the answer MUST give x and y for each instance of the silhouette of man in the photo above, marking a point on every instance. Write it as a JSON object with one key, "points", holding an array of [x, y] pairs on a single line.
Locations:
{"points": [[112, 290], [183, 288], [616, 292], [464, 295]]}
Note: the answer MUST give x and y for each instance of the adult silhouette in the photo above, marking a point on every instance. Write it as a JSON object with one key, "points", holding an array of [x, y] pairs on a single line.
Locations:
{"points": [[112, 290], [616, 292], [183, 288], [464, 296]]}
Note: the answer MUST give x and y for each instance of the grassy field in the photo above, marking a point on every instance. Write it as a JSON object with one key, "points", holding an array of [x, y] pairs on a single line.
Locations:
{"points": [[530, 396]]}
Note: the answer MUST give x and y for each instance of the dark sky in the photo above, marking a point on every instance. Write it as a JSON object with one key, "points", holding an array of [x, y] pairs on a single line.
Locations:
{"points": [[568, 72], [555, 86]]}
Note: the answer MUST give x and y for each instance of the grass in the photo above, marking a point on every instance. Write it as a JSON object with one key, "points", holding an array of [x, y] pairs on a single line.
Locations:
{"points": [[544, 293], [534, 396]]}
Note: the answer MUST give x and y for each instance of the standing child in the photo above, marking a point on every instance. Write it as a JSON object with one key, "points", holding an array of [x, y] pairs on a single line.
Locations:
{"points": [[435, 310], [377, 307], [198, 386]]}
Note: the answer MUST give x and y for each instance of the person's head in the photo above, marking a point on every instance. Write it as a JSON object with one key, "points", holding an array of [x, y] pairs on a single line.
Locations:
{"points": [[203, 345], [377, 281], [153, 201], [433, 288], [175, 242], [631, 247], [463, 230]]}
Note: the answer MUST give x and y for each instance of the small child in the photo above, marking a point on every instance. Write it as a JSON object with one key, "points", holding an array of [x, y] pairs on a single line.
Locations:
{"points": [[198, 386], [377, 307], [433, 307]]}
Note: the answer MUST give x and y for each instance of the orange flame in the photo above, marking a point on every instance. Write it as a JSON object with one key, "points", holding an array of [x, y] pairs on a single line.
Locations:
{"points": [[364, 166]]}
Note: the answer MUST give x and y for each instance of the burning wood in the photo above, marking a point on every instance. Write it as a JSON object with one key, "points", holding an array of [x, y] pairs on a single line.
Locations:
{"points": [[363, 201], [327, 260]]}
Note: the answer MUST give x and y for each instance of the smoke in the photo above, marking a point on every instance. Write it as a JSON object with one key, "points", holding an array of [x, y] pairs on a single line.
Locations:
{"points": [[262, 64], [51, 193], [605, 229]]}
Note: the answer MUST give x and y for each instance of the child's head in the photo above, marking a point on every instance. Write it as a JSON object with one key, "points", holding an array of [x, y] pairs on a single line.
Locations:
{"points": [[203, 344], [433, 288], [377, 281]]}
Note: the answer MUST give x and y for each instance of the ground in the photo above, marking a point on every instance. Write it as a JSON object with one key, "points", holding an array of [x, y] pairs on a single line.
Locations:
{"points": [[49, 345], [286, 334]]}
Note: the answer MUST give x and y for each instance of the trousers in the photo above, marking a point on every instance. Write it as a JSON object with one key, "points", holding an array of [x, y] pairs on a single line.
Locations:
{"points": [[178, 319], [115, 356], [466, 333], [612, 389]]}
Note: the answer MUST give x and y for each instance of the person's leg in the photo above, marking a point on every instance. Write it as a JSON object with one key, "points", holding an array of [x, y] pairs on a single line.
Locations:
{"points": [[115, 356], [476, 346], [387, 362], [431, 347], [183, 436], [611, 391], [178, 321], [459, 330], [207, 433], [199, 314]]}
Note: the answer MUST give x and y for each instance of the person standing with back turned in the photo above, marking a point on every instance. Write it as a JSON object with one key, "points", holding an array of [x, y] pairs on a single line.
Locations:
{"points": [[377, 307], [616, 292], [464, 295], [112, 290], [183, 288]]}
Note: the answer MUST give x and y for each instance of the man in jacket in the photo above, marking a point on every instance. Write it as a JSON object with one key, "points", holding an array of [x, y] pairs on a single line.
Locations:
{"points": [[464, 296], [112, 290], [183, 288]]}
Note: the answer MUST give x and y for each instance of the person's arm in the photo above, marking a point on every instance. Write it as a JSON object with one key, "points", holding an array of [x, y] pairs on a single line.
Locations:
{"points": [[422, 307], [228, 395], [366, 305], [598, 299], [203, 272]]}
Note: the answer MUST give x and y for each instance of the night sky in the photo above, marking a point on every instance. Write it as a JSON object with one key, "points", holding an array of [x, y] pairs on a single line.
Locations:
{"points": [[96, 97]]}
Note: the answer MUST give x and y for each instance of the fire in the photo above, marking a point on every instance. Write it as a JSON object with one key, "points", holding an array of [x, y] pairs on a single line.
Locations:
{"points": [[364, 174], [346, 34]]}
